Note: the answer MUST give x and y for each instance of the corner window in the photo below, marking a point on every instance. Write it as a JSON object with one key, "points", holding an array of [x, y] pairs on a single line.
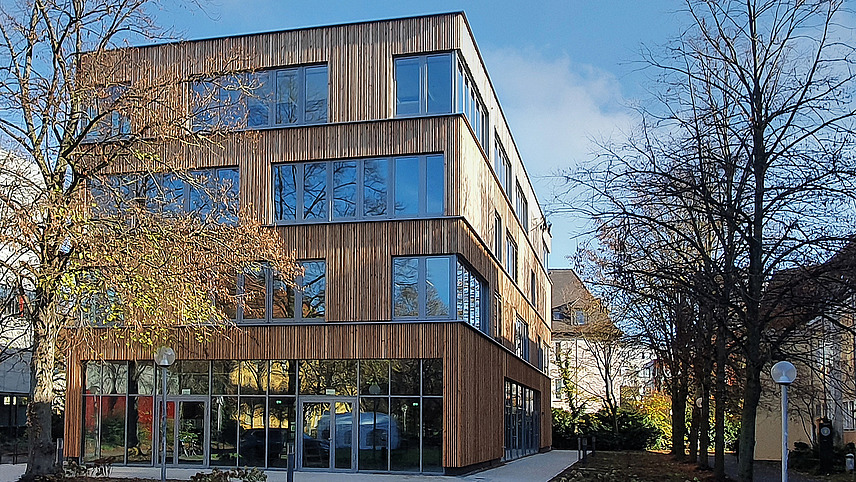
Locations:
{"points": [[470, 104], [429, 85], [425, 287], [423, 85], [401, 187], [270, 98]]}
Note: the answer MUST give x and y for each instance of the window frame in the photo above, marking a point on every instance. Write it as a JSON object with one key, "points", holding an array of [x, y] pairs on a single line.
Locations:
{"points": [[511, 254], [521, 208], [297, 294], [456, 263], [221, 82], [424, 161], [422, 61]]}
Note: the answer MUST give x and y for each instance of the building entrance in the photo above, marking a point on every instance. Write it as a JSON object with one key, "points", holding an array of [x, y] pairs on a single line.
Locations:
{"points": [[328, 433], [187, 431]]}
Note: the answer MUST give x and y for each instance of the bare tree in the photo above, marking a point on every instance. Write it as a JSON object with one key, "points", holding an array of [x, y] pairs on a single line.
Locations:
{"points": [[87, 234], [746, 166]]}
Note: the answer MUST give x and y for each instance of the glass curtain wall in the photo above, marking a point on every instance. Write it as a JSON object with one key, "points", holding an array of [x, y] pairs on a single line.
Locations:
{"points": [[253, 405], [521, 420]]}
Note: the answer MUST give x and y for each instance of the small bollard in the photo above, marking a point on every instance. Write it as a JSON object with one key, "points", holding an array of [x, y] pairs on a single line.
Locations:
{"points": [[848, 462], [593, 444], [290, 459], [59, 447], [579, 448], [585, 449]]}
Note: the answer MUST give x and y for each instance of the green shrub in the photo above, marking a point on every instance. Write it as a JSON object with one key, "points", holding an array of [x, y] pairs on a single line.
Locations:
{"points": [[564, 429], [245, 474], [635, 430]]}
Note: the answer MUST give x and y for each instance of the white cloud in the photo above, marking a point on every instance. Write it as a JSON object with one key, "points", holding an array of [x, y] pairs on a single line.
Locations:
{"points": [[556, 109]]}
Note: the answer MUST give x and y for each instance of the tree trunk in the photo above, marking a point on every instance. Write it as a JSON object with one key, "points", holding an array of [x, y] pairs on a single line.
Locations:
{"points": [[704, 424], [42, 458], [679, 422], [751, 397], [694, 427], [719, 406]]}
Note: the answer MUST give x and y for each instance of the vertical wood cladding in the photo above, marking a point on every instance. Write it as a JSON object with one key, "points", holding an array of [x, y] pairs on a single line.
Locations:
{"points": [[361, 124], [474, 371]]}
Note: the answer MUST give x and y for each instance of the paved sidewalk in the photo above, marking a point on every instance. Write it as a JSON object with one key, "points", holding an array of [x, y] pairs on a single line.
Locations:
{"points": [[535, 468]]}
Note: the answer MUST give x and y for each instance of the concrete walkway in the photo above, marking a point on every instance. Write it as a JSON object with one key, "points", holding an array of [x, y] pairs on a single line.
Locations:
{"points": [[535, 468]]}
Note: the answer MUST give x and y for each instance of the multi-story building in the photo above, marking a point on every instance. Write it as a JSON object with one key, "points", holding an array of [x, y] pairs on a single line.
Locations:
{"points": [[581, 365], [417, 342]]}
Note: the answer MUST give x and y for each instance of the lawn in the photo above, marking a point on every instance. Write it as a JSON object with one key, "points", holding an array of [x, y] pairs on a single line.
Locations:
{"points": [[633, 466]]}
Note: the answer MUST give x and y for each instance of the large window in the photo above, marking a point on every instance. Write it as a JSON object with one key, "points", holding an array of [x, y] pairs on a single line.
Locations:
{"points": [[265, 297], [521, 339], [522, 423], [522, 208], [427, 84], [408, 187], [502, 166], [424, 286], [269, 98], [511, 257], [104, 115], [423, 85], [207, 193], [253, 407]]}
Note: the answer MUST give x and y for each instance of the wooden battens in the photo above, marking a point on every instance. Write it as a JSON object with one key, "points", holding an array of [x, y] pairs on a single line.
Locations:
{"points": [[474, 371], [361, 124]]}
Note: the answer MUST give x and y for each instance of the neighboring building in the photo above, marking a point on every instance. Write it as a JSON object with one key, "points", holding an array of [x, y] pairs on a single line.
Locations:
{"points": [[818, 307], [578, 361], [14, 363], [386, 164]]}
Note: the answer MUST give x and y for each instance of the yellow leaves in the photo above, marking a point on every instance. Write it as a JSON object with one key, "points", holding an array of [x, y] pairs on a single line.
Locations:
{"points": [[163, 274]]}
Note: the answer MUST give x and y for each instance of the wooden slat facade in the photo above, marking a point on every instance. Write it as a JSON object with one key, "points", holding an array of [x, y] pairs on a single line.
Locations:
{"points": [[474, 370], [361, 124]]}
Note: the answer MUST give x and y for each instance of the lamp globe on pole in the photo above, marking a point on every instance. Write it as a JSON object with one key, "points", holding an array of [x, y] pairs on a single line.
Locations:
{"points": [[164, 357], [784, 373]]}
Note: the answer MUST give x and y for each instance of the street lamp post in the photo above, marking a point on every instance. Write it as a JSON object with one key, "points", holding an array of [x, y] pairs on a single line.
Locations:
{"points": [[164, 357], [784, 373]]}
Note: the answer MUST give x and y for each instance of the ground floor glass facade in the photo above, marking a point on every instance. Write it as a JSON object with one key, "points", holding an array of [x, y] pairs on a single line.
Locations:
{"points": [[521, 420], [374, 414]]}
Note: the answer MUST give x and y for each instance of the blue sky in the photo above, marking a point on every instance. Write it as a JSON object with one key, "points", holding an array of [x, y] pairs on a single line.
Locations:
{"points": [[566, 72]]}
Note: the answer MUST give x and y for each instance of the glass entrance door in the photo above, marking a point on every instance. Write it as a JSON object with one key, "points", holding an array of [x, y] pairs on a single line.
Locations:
{"points": [[186, 431], [327, 434], [190, 432]]}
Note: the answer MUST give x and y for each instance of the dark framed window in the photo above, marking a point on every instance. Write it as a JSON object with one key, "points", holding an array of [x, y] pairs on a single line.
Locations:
{"points": [[521, 338], [423, 85], [104, 114], [497, 236], [362, 189], [502, 166], [265, 297], [511, 257], [522, 208], [206, 193], [255, 100]]}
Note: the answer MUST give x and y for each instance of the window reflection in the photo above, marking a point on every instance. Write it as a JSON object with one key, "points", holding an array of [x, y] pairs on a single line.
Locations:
{"points": [[405, 294]]}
